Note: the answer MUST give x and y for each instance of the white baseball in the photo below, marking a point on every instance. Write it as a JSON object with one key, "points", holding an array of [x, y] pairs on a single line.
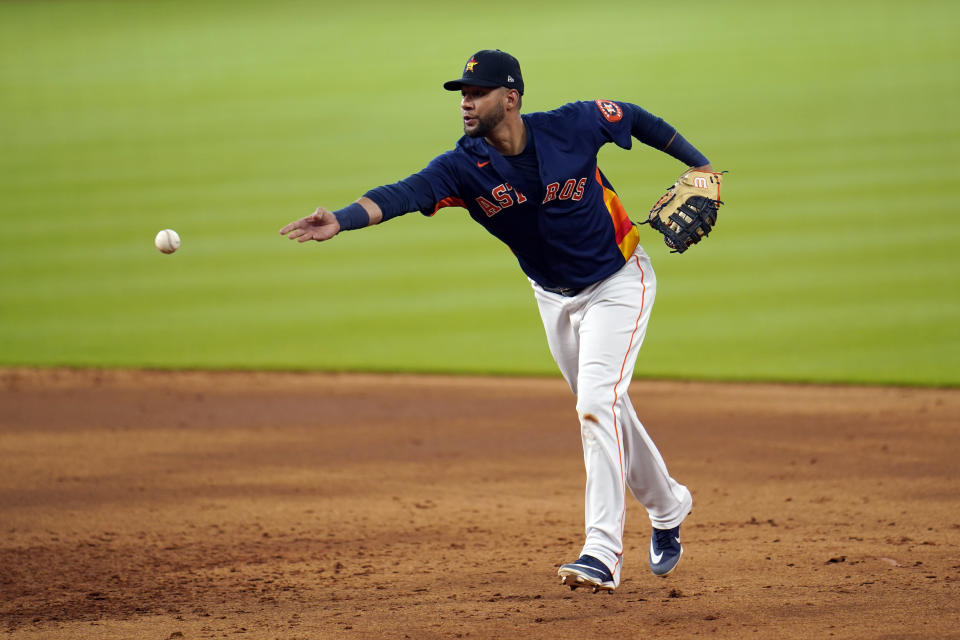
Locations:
{"points": [[167, 241]]}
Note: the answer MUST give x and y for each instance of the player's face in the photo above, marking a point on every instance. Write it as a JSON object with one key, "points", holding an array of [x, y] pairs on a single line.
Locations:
{"points": [[482, 109]]}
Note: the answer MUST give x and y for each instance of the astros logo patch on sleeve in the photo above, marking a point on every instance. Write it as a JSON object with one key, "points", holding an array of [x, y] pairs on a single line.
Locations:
{"points": [[610, 110]]}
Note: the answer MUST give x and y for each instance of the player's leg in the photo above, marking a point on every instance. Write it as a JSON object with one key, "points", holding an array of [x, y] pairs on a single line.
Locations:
{"points": [[611, 331], [617, 449], [667, 501], [561, 319]]}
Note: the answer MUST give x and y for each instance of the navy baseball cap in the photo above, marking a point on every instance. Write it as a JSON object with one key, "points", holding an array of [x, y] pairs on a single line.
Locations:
{"points": [[489, 68]]}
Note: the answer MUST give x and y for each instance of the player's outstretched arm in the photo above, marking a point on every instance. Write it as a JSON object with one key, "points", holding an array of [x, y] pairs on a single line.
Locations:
{"points": [[323, 224]]}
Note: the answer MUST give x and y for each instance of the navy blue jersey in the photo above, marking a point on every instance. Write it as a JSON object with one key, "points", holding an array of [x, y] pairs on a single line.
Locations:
{"points": [[568, 228]]}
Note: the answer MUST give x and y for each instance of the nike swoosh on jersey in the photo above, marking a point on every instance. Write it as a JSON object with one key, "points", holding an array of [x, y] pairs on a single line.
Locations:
{"points": [[481, 165]]}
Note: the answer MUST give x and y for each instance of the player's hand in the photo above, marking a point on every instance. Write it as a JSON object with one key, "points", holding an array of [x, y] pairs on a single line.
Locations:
{"points": [[320, 225]]}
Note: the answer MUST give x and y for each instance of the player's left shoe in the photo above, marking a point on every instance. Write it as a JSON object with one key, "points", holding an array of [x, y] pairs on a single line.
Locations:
{"points": [[588, 572], [665, 550]]}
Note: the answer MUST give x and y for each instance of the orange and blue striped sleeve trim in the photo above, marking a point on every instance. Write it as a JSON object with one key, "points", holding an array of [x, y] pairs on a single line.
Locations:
{"points": [[448, 202]]}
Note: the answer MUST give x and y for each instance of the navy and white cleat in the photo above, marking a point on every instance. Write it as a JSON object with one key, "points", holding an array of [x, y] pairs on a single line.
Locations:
{"points": [[665, 550], [587, 572]]}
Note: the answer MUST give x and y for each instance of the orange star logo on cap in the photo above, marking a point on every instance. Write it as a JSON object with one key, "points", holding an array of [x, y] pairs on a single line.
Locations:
{"points": [[471, 64]]}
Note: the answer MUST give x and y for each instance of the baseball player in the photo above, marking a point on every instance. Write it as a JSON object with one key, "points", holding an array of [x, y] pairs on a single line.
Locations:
{"points": [[532, 181]]}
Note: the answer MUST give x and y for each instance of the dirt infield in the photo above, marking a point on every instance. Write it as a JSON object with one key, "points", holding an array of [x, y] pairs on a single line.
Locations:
{"points": [[230, 505]]}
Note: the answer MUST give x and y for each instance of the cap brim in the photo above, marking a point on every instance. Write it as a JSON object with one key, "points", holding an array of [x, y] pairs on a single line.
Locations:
{"points": [[456, 85]]}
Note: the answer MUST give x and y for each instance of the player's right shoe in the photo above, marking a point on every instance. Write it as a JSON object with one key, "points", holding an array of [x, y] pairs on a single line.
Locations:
{"points": [[588, 572], [665, 550]]}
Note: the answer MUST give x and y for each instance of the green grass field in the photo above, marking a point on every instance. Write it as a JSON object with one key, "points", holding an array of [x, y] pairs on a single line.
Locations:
{"points": [[836, 258]]}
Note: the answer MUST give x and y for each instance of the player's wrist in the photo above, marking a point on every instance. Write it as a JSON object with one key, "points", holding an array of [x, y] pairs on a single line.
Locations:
{"points": [[353, 216]]}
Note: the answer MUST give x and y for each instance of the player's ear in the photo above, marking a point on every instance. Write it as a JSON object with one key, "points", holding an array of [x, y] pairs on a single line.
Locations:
{"points": [[513, 99]]}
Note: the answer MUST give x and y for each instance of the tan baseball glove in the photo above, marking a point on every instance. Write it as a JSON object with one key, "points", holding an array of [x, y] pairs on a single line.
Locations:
{"points": [[687, 212]]}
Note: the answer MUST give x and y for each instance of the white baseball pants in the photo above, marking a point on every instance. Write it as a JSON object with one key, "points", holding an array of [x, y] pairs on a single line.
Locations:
{"points": [[595, 337]]}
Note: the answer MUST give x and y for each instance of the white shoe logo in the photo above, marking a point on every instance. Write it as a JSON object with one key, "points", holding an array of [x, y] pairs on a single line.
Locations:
{"points": [[654, 556]]}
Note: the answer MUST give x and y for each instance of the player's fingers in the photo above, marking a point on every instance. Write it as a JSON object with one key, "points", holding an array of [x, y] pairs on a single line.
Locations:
{"points": [[315, 235], [290, 227]]}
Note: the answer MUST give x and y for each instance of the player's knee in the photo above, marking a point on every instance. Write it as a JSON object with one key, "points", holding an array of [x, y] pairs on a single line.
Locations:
{"points": [[590, 412], [594, 427], [589, 429]]}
